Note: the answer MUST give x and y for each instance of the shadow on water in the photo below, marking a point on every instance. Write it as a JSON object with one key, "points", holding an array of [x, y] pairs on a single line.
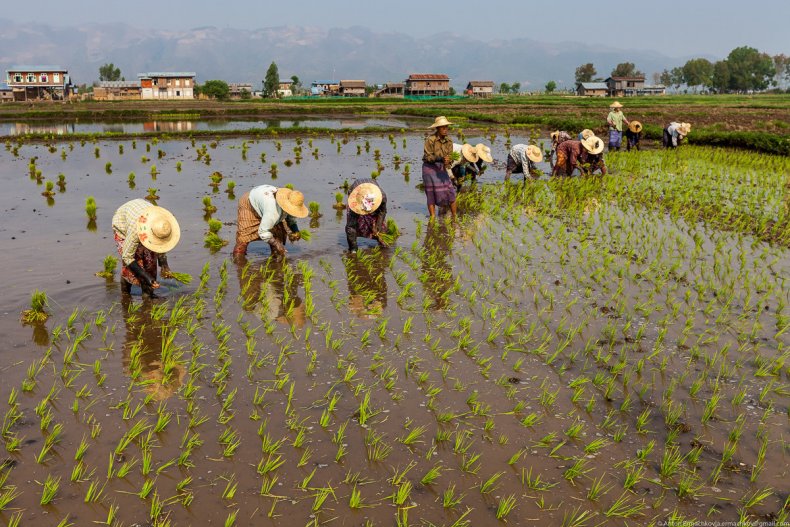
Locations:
{"points": [[435, 262], [367, 285]]}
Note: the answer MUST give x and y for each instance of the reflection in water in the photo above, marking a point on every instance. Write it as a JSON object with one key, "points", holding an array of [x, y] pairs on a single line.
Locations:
{"points": [[367, 285], [143, 346], [271, 291], [436, 267], [40, 334], [168, 126]]}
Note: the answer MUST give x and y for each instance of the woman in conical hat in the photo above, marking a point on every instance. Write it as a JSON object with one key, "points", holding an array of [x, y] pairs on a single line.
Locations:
{"points": [[633, 135], [674, 133], [367, 212], [464, 162], [436, 161], [269, 213], [616, 119], [143, 234], [571, 153], [521, 160]]}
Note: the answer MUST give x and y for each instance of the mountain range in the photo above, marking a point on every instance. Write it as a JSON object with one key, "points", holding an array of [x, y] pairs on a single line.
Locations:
{"points": [[310, 53]]}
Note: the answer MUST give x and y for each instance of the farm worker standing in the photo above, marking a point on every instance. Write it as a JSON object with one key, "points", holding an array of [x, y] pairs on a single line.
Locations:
{"points": [[522, 159], [367, 212], [570, 153], [557, 137], [143, 234], [616, 118], [269, 213], [436, 160], [674, 133], [633, 135], [464, 161]]}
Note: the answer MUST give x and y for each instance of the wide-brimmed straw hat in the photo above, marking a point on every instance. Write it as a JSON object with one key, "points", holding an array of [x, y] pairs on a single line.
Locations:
{"points": [[440, 121], [484, 152], [365, 199], [292, 202], [635, 126], [469, 153], [593, 144], [534, 154], [158, 230], [684, 128], [555, 135], [615, 104], [587, 133]]}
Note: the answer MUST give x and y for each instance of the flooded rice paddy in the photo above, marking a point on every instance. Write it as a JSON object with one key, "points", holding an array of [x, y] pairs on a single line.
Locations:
{"points": [[599, 351]]}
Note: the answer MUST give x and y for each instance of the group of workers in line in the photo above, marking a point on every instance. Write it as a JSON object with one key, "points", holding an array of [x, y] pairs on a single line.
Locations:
{"points": [[144, 232]]}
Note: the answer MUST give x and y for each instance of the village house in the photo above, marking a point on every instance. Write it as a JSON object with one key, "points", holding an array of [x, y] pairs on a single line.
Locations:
{"points": [[237, 90], [480, 88], [625, 86], [167, 85], [352, 88], [390, 90], [39, 83], [427, 85], [325, 88], [6, 93], [653, 89], [117, 91], [285, 88], [592, 89]]}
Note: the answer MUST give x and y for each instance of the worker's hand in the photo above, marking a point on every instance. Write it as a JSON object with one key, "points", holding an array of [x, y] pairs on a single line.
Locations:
{"points": [[166, 272], [447, 161], [294, 236], [277, 247], [154, 285]]}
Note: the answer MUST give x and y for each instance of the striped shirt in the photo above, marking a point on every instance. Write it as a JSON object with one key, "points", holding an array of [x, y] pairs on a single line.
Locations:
{"points": [[124, 222], [519, 155]]}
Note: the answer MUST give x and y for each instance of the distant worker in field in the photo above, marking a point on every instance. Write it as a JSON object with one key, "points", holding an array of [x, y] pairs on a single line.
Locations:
{"points": [[584, 155], [633, 135], [522, 159], [464, 161], [367, 212], [616, 119], [144, 233], [268, 213], [557, 137], [436, 161], [674, 133]]}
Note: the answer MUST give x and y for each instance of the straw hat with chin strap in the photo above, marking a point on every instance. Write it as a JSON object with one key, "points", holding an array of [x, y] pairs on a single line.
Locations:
{"points": [[365, 199], [534, 154], [469, 153], [593, 144], [440, 121], [615, 104], [484, 152], [292, 202], [635, 126], [158, 229]]}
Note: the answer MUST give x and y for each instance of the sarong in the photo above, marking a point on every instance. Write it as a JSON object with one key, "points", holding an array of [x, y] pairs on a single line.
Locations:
{"points": [[439, 188], [513, 166], [615, 138], [146, 258], [248, 222]]}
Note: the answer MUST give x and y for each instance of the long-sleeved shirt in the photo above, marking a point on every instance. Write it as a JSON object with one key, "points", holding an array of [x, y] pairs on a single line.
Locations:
{"points": [[561, 138], [673, 130], [436, 149], [519, 155], [462, 161], [124, 222], [262, 199], [615, 120], [573, 151]]}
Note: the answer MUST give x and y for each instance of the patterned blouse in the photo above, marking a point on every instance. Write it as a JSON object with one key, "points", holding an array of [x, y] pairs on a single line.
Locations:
{"points": [[124, 223]]}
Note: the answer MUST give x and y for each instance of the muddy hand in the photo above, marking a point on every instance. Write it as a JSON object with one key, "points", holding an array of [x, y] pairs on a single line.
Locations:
{"points": [[166, 273], [294, 236]]}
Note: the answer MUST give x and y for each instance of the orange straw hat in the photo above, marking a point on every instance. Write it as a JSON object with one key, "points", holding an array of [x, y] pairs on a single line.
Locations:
{"points": [[365, 199], [292, 202], [158, 229], [534, 154], [635, 126]]}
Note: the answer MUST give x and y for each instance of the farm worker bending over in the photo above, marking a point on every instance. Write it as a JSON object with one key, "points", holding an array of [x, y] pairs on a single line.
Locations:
{"points": [[675, 133], [570, 153], [484, 153], [615, 120], [633, 135], [464, 161], [143, 234], [522, 159], [367, 212], [557, 137], [584, 134], [269, 213], [436, 160]]}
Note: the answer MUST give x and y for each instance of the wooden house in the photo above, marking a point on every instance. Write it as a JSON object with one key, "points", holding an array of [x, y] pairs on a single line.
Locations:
{"points": [[390, 90], [352, 88], [427, 85], [6, 93], [167, 85], [117, 91], [480, 88], [237, 90], [39, 83], [653, 89], [592, 89], [624, 86], [325, 88]]}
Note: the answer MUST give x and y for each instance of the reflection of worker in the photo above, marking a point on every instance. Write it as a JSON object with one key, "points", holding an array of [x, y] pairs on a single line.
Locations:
{"points": [[144, 334], [268, 213], [367, 285], [143, 233], [367, 212], [270, 291], [522, 159], [437, 248], [575, 154]]}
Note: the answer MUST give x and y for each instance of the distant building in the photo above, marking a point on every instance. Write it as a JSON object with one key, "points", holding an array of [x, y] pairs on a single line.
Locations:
{"points": [[325, 88], [6, 93], [625, 86], [352, 88], [390, 90], [427, 85], [167, 85], [592, 89], [285, 88], [237, 90], [480, 88], [117, 90], [653, 89], [39, 83]]}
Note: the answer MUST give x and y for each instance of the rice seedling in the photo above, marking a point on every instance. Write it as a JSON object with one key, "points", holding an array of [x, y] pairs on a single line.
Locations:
{"points": [[90, 208], [110, 263], [37, 312], [49, 490]]}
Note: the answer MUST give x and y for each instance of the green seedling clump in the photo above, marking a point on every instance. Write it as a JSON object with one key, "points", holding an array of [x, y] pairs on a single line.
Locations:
{"points": [[110, 263]]}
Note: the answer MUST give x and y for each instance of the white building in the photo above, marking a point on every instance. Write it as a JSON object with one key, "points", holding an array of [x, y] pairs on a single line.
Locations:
{"points": [[167, 85]]}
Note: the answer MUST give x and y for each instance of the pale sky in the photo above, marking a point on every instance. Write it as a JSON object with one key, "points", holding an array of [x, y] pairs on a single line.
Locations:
{"points": [[673, 27]]}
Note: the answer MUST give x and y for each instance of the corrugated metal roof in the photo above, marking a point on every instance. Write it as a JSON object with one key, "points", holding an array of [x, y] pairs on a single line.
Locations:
{"points": [[428, 77], [325, 82], [152, 74], [119, 84], [594, 85], [35, 68]]}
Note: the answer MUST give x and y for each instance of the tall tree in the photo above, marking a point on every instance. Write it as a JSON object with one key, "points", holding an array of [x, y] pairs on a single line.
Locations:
{"points": [[108, 72], [297, 83], [626, 69], [750, 69], [698, 72], [272, 81], [676, 77], [782, 67], [721, 76], [586, 72], [515, 87], [504, 88], [551, 86], [665, 78]]}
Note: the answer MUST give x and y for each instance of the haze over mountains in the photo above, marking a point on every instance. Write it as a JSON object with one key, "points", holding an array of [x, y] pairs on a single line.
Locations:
{"points": [[350, 53]]}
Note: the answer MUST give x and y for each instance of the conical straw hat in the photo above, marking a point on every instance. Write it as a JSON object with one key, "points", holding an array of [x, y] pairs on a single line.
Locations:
{"points": [[292, 202], [158, 229], [362, 194], [534, 154], [469, 153], [635, 126], [615, 104], [440, 121], [484, 152], [593, 144]]}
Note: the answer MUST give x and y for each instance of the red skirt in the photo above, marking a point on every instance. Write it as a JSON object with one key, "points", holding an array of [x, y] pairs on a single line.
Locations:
{"points": [[146, 258]]}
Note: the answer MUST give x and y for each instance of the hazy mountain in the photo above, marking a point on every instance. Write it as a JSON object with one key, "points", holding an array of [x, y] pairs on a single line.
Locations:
{"points": [[350, 53]]}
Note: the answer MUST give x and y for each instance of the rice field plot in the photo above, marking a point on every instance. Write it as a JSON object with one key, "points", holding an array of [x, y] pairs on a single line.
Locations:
{"points": [[583, 351]]}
